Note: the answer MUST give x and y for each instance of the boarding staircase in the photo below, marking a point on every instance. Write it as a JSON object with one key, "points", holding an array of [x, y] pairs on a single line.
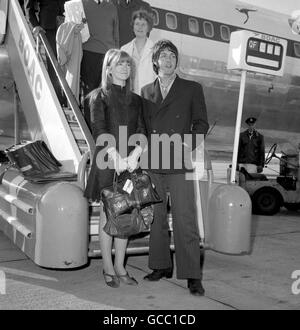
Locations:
{"points": [[65, 132], [62, 128]]}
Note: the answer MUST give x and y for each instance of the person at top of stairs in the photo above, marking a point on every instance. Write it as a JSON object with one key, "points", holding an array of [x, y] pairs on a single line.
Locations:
{"points": [[47, 18], [103, 24]]}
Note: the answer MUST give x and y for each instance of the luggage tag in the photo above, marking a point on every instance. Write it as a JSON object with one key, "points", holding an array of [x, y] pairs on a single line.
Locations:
{"points": [[128, 186]]}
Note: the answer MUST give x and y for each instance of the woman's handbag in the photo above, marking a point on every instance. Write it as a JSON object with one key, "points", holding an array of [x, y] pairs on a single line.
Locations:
{"points": [[128, 224], [135, 190], [126, 201]]}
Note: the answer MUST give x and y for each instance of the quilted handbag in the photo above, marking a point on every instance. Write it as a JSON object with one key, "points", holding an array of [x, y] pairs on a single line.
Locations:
{"points": [[127, 204], [131, 223]]}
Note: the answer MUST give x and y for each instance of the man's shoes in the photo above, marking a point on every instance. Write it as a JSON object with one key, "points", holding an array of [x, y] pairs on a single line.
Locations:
{"points": [[157, 274], [195, 287]]}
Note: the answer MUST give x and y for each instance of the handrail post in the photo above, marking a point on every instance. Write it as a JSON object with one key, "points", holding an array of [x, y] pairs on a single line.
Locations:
{"points": [[81, 175]]}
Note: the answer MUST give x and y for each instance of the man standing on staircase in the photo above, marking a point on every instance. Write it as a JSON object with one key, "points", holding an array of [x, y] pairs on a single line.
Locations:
{"points": [[103, 23], [46, 19]]}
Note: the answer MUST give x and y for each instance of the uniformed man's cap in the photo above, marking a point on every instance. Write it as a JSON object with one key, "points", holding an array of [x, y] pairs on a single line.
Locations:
{"points": [[250, 120]]}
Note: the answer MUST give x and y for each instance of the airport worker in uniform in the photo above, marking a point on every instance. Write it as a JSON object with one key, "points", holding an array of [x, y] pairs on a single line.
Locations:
{"points": [[251, 152], [174, 106], [125, 10], [140, 49], [48, 17]]}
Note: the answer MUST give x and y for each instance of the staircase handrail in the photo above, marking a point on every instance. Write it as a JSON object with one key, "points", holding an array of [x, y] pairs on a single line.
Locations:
{"points": [[69, 95]]}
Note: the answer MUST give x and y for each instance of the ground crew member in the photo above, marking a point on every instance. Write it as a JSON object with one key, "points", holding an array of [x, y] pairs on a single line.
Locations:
{"points": [[251, 147]]}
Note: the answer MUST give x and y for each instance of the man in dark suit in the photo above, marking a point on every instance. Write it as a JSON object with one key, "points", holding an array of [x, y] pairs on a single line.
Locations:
{"points": [[174, 106], [21, 2], [251, 146], [47, 18]]}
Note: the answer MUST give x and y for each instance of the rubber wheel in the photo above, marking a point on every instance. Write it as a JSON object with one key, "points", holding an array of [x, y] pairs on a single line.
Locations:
{"points": [[292, 206], [266, 201]]}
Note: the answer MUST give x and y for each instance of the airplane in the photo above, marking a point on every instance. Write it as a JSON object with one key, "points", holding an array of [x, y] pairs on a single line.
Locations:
{"points": [[30, 110], [201, 31]]}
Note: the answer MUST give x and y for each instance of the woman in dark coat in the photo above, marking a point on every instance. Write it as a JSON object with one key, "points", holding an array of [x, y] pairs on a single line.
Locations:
{"points": [[114, 109]]}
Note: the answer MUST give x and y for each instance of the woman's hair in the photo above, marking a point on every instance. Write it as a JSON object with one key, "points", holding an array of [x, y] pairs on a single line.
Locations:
{"points": [[143, 14], [111, 59], [160, 46]]}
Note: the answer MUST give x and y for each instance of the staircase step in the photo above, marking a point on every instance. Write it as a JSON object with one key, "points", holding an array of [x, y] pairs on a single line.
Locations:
{"points": [[136, 245], [70, 116], [83, 148], [81, 142], [77, 132]]}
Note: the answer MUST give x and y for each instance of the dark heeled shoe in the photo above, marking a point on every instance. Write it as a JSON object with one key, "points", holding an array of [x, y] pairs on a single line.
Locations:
{"points": [[111, 280], [126, 279]]}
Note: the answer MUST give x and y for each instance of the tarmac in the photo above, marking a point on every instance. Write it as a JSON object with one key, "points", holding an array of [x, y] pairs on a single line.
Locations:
{"points": [[260, 280]]}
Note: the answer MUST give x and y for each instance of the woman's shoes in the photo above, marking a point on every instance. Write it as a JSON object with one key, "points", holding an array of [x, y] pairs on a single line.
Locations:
{"points": [[111, 280], [126, 279], [114, 280]]}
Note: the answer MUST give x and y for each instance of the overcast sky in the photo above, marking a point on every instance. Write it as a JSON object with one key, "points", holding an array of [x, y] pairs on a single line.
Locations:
{"points": [[283, 6]]}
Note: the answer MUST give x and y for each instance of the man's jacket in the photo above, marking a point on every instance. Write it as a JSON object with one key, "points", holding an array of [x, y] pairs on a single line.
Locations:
{"points": [[182, 112], [47, 15], [251, 149]]}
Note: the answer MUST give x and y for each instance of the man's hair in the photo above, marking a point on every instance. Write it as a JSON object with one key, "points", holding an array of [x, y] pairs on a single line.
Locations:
{"points": [[160, 46]]}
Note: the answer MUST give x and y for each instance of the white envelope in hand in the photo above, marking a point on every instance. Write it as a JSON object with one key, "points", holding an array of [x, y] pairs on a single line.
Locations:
{"points": [[74, 12]]}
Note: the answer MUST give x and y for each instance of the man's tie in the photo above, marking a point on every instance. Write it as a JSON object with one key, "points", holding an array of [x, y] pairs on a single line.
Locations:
{"points": [[164, 92]]}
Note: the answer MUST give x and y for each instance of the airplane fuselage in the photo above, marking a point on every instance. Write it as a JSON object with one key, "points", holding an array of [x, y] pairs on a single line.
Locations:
{"points": [[201, 30]]}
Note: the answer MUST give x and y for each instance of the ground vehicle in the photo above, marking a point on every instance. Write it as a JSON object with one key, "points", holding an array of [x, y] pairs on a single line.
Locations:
{"points": [[268, 194]]}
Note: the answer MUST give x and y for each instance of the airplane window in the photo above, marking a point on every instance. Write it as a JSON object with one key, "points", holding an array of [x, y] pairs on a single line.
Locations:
{"points": [[297, 49], [171, 20], [155, 17], [194, 63], [225, 32], [193, 25], [208, 29]]}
